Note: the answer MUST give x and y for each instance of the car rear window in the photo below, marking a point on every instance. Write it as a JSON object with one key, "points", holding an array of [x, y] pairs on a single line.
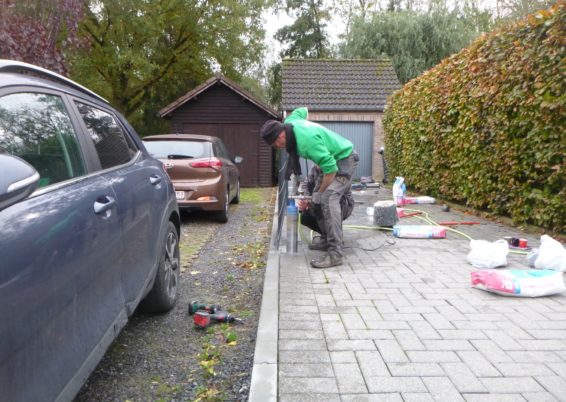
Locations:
{"points": [[178, 149]]}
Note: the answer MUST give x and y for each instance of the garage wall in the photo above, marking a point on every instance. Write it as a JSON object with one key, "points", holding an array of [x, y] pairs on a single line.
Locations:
{"points": [[221, 112], [361, 135], [358, 117]]}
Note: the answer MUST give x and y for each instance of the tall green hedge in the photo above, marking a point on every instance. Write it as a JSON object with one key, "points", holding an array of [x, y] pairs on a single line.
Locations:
{"points": [[487, 126]]}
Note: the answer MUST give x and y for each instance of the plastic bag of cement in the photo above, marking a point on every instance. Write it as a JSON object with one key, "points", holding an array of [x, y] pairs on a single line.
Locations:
{"points": [[419, 231], [519, 283], [552, 255], [485, 254], [399, 190]]}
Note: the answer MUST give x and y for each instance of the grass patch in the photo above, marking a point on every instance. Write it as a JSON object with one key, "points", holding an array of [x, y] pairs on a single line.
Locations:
{"points": [[254, 196]]}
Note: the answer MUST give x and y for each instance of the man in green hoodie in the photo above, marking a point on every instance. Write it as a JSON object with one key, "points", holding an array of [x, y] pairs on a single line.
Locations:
{"points": [[336, 158]]}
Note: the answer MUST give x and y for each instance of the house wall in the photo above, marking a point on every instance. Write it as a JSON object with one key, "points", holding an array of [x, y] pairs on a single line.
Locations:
{"points": [[378, 135], [223, 113]]}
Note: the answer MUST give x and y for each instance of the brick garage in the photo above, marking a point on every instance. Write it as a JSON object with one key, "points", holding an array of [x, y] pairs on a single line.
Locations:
{"points": [[347, 96]]}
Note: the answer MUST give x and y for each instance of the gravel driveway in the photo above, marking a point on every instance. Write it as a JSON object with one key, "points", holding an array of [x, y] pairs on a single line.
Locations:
{"points": [[164, 358]]}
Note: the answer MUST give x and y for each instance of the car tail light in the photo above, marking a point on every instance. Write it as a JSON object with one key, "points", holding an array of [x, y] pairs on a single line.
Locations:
{"points": [[213, 163]]}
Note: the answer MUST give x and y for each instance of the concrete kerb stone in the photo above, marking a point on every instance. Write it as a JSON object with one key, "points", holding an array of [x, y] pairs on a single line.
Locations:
{"points": [[263, 387]]}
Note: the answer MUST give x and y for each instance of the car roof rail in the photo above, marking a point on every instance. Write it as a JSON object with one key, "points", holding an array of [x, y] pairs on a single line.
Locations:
{"points": [[18, 66]]}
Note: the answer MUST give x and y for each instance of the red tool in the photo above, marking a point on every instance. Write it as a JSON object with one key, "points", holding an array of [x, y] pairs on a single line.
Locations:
{"points": [[450, 223], [203, 319]]}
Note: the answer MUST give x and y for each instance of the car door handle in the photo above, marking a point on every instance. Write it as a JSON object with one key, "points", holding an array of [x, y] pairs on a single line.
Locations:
{"points": [[100, 207], [154, 179]]}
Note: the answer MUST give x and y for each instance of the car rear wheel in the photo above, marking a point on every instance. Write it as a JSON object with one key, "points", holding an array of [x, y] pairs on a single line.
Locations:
{"points": [[222, 216], [236, 199], [163, 295]]}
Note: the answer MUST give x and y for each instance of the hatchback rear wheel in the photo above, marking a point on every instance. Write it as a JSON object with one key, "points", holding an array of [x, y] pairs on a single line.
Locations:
{"points": [[236, 199], [163, 295], [222, 216]]}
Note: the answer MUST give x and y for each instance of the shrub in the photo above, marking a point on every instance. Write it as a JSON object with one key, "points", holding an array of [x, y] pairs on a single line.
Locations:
{"points": [[487, 126]]}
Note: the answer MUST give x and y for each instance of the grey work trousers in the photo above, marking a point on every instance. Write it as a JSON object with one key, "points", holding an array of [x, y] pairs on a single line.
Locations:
{"points": [[330, 218]]}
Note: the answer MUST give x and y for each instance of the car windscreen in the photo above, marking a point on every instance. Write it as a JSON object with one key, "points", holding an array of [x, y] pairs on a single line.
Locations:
{"points": [[178, 149]]}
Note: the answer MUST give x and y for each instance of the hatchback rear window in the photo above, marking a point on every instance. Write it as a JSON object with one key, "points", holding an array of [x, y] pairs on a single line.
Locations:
{"points": [[178, 149]]}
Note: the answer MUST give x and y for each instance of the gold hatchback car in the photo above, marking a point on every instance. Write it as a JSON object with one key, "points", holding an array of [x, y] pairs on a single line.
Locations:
{"points": [[204, 173]]}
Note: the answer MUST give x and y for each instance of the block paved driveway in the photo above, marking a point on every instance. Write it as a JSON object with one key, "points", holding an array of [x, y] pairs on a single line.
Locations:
{"points": [[401, 323]]}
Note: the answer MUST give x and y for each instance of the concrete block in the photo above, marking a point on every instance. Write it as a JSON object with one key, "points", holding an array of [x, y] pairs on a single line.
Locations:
{"points": [[349, 378]]}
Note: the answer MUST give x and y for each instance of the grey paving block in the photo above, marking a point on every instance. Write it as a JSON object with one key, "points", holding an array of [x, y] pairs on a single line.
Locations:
{"points": [[395, 384], [510, 385], [334, 330], [538, 357], [387, 324], [299, 317], [371, 363], [300, 325], [556, 385], [447, 344], [539, 397], [462, 334], [330, 317], [369, 313], [370, 334], [343, 344], [385, 397], [479, 365], [287, 308], [520, 369], [559, 334], [391, 351], [463, 378], [353, 321], [408, 340], [309, 398], [293, 385], [432, 356], [558, 368], [300, 334], [298, 344], [415, 369], [424, 330], [541, 344], [349, 378], [304, 356], [325, 300], [442, 389], [417, 397], [491, 351], [343, 357], [504, 341], [306, 370], [493, 397]]}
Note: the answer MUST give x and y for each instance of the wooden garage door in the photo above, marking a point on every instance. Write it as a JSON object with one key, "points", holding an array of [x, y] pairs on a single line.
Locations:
{"points": [[241, 140]]}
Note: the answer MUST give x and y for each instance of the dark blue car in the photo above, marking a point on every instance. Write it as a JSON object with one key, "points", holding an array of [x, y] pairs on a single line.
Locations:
{"points": [[89, 228]]}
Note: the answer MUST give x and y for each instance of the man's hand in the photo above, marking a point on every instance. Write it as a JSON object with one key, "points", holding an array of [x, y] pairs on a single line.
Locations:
{"points": [[303, 205], [316, 197]]}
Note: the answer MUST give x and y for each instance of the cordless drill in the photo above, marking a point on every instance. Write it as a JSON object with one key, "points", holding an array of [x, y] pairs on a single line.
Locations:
{"points": [[202, 319], [195, 306]]}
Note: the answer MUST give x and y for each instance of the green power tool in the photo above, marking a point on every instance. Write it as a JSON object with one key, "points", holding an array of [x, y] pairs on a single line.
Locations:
{"points": [[195, 306]]}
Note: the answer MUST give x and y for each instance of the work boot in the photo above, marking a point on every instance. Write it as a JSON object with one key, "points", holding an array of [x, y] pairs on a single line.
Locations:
{"points": [[327, 261], [318, 243]]}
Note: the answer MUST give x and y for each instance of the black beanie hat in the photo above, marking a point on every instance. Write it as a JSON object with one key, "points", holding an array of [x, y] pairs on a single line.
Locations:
{"points": [[270, 131]]}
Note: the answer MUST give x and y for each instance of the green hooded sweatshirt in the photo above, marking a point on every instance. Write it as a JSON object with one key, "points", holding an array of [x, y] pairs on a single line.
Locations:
{"points": [[317, 143]]}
